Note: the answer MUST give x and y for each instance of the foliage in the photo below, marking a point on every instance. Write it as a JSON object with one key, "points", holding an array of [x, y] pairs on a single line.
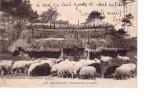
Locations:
{"points": [[94, 15], [127, 19], [18, 8], [125, 2], [49, 15]]}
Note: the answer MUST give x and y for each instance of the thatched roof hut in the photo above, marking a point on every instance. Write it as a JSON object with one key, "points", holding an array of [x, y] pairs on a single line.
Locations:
{"points": [[108, 42]]}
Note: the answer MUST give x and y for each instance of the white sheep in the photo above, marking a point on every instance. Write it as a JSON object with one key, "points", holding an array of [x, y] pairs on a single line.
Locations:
{"points": [[58, 66], [87, 72], [39, 69], [66, 69], [106, 59], [74, 67], [70, 68], [5, 66], [125, 70], [124, 58], [22, 66], [86, 62]]}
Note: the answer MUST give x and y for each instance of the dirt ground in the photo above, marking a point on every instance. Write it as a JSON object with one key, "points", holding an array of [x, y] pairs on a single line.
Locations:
{"points": [[52, 82]]}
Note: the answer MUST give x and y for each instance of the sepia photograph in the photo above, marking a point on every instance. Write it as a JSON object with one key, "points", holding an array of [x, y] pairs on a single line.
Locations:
{"points": [[68, 43]]}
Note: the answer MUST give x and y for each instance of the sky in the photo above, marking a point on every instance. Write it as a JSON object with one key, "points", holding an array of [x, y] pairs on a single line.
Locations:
{"points": [[78, 10]]}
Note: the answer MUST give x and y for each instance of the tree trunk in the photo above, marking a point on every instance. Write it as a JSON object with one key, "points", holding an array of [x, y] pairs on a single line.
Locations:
{"points": [[124, 10], [62, 53]]}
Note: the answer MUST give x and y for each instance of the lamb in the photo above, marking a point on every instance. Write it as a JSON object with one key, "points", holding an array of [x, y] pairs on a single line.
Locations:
{"points": [[22, 66], [125, 71], [39, 69], [87, 72], [5, 66], [123, 58]]}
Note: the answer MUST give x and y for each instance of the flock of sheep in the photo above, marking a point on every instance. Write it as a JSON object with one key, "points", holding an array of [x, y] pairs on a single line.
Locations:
{"points": [[65, 68]]}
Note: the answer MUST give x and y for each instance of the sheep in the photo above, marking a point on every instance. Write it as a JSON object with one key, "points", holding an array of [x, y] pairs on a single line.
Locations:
{"points": [[22, 66], [123, 58], [125, 71], [110, 71], [51, 62], [97, 60], [87, 72], [63, 72], [86, 62], [66, 70], [76, 68], [5, 66], [39, 69], [106, 59], [57, 66], [98, 68], [54, 69]]}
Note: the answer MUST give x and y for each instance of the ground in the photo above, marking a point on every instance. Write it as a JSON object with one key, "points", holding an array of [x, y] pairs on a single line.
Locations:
{"points": [[22, 80], [47, 81]]}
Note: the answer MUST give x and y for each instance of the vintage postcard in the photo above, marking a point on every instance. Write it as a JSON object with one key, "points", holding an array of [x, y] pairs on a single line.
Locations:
{"points": [[68, 43]]}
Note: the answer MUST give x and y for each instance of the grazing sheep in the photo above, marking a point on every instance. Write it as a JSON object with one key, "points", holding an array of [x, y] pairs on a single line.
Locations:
{"points": [[97, 66], [76, 69], [110, 71], [57, 66], [87, 72], [22, 66], [66, 70], [106, 59], [39, 69], [125, 71], [123, 58], [63, 72], [5, 66]]}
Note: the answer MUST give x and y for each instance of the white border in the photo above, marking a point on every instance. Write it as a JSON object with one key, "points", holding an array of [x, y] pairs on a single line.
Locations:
{"points": [[141, 93]]}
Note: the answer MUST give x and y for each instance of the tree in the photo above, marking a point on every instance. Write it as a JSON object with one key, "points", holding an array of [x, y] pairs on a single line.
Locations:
{"points": [[93, 16], [62, 23], [17, 13], [50, 15], [127, 21], [18, 8], [125, 3]]}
